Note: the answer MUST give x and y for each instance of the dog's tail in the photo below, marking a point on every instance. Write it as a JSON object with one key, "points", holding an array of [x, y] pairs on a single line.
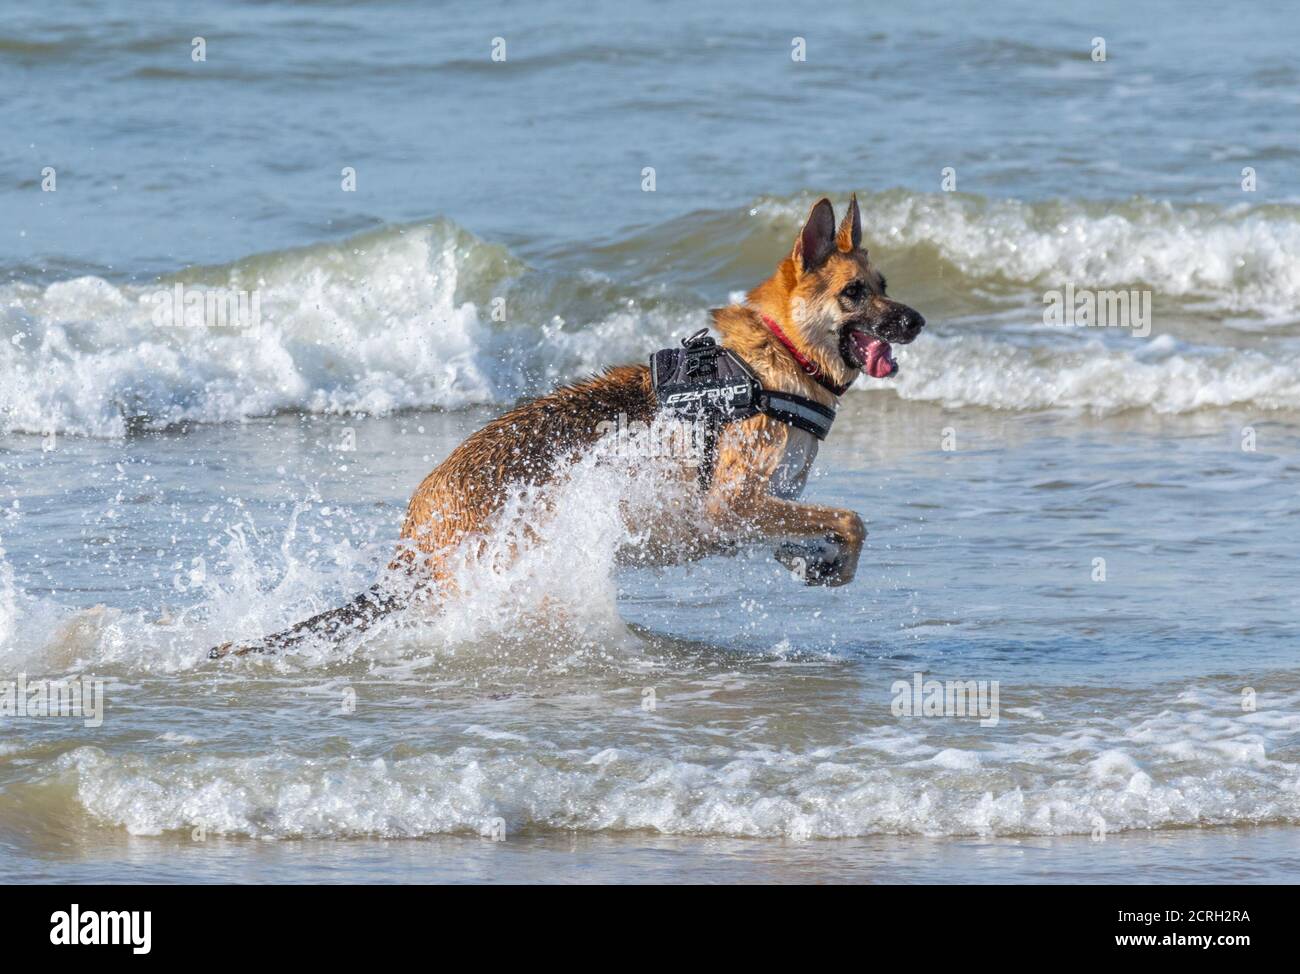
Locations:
{"points": [[357, 615]]}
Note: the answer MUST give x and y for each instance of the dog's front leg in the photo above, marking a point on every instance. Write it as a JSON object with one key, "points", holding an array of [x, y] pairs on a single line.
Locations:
{"points": [[831, 539], [741, 505]]}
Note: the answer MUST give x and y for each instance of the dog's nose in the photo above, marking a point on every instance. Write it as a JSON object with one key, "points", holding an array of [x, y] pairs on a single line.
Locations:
{"points": [[901, 324]]}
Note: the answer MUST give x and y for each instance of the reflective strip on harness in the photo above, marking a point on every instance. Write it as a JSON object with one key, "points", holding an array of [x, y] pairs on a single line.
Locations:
{"points": [[805, 414]]}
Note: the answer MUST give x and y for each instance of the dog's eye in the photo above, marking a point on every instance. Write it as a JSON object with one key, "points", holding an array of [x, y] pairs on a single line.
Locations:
{"points": [[854, 291]]}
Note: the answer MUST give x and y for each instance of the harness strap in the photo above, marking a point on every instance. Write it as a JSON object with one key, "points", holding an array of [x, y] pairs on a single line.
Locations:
{"points": [[798, 411], [709, 454]]}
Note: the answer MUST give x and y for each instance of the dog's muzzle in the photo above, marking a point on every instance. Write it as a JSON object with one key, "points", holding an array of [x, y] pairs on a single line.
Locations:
{"points": [[865, 341]]}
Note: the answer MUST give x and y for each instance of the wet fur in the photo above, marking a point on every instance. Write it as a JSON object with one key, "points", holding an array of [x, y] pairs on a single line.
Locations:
{"points": [[459, 499]]}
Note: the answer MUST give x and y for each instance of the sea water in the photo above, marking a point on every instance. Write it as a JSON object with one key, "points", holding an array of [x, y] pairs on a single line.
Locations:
{"points": [[1098, 522]]}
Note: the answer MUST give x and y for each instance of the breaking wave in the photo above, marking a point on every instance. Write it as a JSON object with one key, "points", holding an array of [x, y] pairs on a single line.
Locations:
{"points": [[430, 316], [1227, 259], [1199, 762]]}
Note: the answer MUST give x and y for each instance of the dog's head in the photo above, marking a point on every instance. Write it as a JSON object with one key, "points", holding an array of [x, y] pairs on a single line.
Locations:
{"points": [[836, 298]]}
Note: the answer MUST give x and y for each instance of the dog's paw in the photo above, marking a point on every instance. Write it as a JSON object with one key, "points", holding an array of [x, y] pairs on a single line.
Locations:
{"points": [[814, 562]]}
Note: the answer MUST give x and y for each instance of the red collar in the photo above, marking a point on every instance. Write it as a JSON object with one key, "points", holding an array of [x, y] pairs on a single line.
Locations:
{"points": [[812, 369]]}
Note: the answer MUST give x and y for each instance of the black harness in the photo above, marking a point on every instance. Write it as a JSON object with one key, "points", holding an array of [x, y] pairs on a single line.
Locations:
{"points": [[702, 382]]}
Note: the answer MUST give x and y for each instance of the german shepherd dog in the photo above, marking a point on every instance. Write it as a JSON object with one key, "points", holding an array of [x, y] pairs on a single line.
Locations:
{"points": [[810, 329]]}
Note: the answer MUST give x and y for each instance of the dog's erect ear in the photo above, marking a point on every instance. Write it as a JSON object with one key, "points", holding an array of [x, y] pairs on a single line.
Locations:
{"points": [[817, 238], [849, 235]]}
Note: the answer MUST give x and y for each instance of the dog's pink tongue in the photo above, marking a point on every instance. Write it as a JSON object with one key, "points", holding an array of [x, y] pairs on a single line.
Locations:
{"points": [[875, 355]]}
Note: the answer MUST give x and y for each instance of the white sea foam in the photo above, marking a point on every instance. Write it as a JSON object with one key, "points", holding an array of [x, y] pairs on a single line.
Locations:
{"points": [[1089, 777], [1235, 259], [372, 325], [1081, 371]]}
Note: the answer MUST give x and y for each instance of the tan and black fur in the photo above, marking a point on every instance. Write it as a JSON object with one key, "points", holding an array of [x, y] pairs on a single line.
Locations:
{"points": [[825, 286]]}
